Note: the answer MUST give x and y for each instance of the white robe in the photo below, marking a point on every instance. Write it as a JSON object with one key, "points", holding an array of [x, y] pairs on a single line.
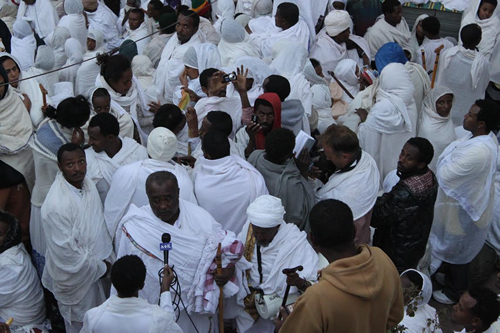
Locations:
{"points": [[104, 20], [41, 15], [129, 187], [230, 105], [75, 52], [139, 33], [75, 21], [195, 236], [23, 44], [357, 188], [101, 168], [226, 187], [171, 64], [155, 47], [89, 69], [235, 43], [464, 205], [421, 83], [429, 46], [131, 314], [288, 249], [466, 72], [382, 33], [77, 245], [21, 294]]}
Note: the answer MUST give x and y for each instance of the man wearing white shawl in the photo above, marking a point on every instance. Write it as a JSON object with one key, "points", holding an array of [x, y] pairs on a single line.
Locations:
{"points": [[28, 87], [235, 43], [23, 44], [417, 291], [21, 294], [75, 21], [89, 70], [225, 184], [356, 181], [137, 29], [40, 14], [287, 25], [127, 311], [101, 18], [435, 121], [392, 119], [128, 183], [195, 236], [465, 71], [79, 248], [330, 46], [464, 206], [170, 66], [389, 27], [109, 151], [280, 245]]}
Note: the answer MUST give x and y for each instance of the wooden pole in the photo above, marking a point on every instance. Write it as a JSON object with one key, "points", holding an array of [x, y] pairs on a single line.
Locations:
{"points": [[341, 85], [423, 60], [44, 93], [438, 52], [218, 260], [9, 321]]}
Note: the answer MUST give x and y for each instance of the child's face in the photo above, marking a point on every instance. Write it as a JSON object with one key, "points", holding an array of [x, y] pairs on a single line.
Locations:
{"points": [[485, 10]]}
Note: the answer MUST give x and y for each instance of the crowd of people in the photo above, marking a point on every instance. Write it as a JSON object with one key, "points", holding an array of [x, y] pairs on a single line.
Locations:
{"points": [[246, 166]]}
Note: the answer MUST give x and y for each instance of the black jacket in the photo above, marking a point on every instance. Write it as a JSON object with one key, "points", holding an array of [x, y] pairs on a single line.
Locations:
{"points": [[403, 218]]}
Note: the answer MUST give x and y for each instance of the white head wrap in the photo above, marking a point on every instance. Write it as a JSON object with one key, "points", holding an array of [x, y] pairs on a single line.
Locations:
{"points": [[266, 212], [73, 6], [98, 37], [336, 22], [346, 73], [62, 90], [45, 58], [74, 51], [311, 75], [232, 31], [162, 144], [21, 29], [202, 56], [142, 66], [426, 291]]}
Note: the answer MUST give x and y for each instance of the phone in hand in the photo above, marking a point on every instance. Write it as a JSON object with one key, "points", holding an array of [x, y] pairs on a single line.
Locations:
{"points": [[254, 118]]}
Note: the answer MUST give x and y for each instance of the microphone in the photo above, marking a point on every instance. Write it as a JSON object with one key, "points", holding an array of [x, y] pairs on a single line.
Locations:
{"points": [[165, 246]]}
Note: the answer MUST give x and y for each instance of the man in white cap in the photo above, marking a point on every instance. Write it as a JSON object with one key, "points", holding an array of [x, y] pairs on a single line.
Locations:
{"points": [[271, 245], [335, 43], [109, 151], [128, 184], [195, 236]]}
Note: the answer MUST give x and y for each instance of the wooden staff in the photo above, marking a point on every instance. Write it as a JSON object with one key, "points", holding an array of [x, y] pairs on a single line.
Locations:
{"points": [[189, 148], [423, 60], [438, 52], [341, 85], [9, 321], [44, 93], [218, 261]]}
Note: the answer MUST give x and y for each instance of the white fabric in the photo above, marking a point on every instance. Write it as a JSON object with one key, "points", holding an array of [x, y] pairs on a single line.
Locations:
{"points": [[101, 167], [230, 105], [62, 90], [56, 40], [421, 83], [222, 10], [322, 105], [143, 70], [89, 70], [382, 33], [202, 56], [77, 244], [171, 64], [466, 73], [290, 63], [104, 20], [235, 43], [44, 62], [265, 34], [162, 144], [346, 73], [23, 44], [489, 27], [208, 31], [261, 8], [311, 75], [337, 22], [129, 187], [266, 212], [21, 294], [41, 15], [493, 238], [226, 187], [464, 205], [413, 40], [75, 21], [429, 46], [435, 128], [495, 61], [357, 188], [8, 13], [139, 33], [389, 123], [130, 314], [155, 47], [74, 52]]}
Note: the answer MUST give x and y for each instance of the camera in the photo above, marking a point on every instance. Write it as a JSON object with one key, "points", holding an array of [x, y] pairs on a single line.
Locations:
{"points": [[229, 78]]}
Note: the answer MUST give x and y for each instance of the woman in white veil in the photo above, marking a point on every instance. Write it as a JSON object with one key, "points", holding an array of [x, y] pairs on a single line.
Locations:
{"points": [[74, 20], [23, 44]]}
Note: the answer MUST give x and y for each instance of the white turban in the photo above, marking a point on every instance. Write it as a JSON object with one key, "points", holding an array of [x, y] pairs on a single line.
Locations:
{"points": [[266, 212], [162, 144], [336, 22]]}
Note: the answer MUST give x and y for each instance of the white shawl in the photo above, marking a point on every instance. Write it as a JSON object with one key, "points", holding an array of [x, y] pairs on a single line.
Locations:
{"points": [[74, 51], [56, 40], [44, 63], [357, 188], [155, 47], [89, 70], [226, 187], [23, 44], [328, 52], [139, 36], [435, 128], [129, 187], [230, 105], [41, 14], [235, 43], [346, 73], [382, 33], [104, 20], [413, 40], [77, 242], [75, 21]]}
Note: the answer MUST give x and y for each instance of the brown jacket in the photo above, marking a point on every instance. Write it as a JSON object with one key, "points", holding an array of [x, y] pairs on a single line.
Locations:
{"points": [[358, 294]]}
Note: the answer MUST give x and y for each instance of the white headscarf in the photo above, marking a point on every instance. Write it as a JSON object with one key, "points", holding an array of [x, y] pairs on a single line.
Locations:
{"points": [[336, 22], [100, 46], [234, 43], [74, 20], [142, 66], [311, 75], [74, 52], [346, 73], [202, 56], [413, 41], [56, 40], [426, 291], [23, 44], [266, 212], [162, 144], [44, 62], [261, 7]]}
